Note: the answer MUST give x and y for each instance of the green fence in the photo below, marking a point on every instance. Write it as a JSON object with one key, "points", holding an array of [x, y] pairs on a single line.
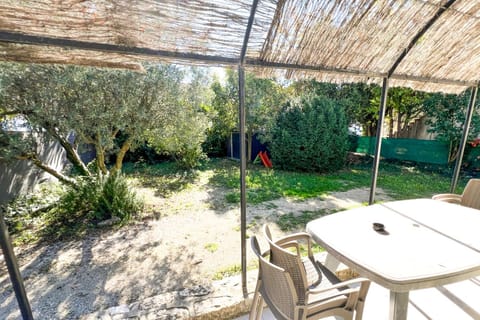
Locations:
{"points": [[426, 151]]}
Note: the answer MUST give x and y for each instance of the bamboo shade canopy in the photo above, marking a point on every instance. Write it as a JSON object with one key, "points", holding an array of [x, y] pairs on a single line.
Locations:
{"points": [[431, 45]]}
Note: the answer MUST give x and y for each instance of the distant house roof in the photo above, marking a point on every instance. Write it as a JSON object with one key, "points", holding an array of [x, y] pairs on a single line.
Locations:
{"points": [[432, 45]]}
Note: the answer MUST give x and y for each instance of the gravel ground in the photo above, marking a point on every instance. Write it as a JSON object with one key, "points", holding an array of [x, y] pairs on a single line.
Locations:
{"points": [[194, 235]]}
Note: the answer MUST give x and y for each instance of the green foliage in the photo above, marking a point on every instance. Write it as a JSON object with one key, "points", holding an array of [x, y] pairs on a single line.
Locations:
{"points": [[95, 199], [446, 116], [182, 137], [312, 136], [223, 114], [116, 199], [358, 100], [113, 111], [25, 214], [100, 104], [403, 106], [263, 100], [184, 131]]}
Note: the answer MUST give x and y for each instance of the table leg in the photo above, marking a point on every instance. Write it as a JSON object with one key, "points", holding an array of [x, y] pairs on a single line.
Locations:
{"points": [[398, 305]]}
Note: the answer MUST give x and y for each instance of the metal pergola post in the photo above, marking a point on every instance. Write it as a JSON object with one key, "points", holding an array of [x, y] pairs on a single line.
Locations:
{"points": [[378, 145], [243, 155], [243, 169], [383, 101], [463, 142], [14, 272]]}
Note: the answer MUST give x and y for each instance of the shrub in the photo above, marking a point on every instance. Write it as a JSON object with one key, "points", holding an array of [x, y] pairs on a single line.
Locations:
{"points": [[116, 199], [93, 200], [311, 136]]}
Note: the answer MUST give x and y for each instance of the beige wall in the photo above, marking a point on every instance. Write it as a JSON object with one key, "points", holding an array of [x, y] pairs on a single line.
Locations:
{"points": [[20, 177]]}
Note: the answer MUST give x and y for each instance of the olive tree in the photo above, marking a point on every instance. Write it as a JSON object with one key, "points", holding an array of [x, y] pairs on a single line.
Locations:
{"points": [[91, 105]]}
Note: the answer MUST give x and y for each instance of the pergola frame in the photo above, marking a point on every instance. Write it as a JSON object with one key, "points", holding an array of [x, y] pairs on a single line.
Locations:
{"points": [[243, 62], [13, 37]]}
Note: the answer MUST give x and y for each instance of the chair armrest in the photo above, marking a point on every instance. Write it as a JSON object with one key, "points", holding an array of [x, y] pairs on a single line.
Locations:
{"points": [[355, 295], [448, 197], [291, 244], [296, 237], [333, 294], [339, 285]]}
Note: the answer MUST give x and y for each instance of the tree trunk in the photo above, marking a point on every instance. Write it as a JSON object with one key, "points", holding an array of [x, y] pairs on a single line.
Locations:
{"points": [[100, 156], [71, 153], [390, 126], [121, 154], [453, 152], [399, 124]]}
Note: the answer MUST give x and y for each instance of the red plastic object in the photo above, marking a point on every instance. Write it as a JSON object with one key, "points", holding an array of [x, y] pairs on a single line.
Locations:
{"points": [[265, 159]]}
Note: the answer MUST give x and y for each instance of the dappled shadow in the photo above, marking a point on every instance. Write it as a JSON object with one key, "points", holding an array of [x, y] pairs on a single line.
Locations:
{"points": [[67, 279], [165, 178]]}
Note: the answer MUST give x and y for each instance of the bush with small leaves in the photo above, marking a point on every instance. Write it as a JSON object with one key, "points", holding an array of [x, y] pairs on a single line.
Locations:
{"points": [[310, 136]]}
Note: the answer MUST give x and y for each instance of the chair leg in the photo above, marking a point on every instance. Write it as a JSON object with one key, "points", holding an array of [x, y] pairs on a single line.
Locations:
{"points": [[260, 309], [359, 310], [256, 310]]}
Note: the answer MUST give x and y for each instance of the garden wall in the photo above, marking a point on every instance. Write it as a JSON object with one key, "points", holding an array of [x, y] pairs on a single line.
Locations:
{"points": [[20, 177]]}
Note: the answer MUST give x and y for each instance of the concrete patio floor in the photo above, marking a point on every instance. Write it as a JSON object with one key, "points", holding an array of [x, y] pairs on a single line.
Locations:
{"points": [[457, 301]]}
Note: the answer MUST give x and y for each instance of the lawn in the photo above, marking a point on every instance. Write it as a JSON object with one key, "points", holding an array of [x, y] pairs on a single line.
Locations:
{"points": [[400, 181]]}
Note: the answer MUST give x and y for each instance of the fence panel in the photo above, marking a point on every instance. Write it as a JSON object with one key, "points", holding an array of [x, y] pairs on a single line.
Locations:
{"points": [[426, 151]]}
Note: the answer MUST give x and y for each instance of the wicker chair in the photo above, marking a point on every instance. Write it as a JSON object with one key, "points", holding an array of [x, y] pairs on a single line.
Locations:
{"points": [[469, 198], [314, 271], [288, 295]]}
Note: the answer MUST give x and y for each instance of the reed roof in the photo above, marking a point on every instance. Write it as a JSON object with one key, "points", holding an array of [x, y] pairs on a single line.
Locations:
{"points": [[431, 45]]}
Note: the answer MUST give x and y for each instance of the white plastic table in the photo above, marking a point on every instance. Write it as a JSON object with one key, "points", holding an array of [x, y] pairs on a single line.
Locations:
{"points": [[426, 243]]}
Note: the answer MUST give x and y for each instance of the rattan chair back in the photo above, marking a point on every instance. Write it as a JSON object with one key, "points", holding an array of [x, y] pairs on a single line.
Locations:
{"points": [[275, 286], [291, 262], [471, 194]]}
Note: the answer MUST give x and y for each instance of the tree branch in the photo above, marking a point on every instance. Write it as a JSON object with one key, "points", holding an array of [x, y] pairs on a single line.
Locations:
{"points": [[9, 113], [72, 154], [37, 162]]}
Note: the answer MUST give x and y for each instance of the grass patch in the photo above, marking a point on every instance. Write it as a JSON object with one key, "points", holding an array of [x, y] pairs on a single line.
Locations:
{"points": [[227, 272], [233, 270], [400, 181], [315, 249], [211, 247], [166, 177], [290, 221], [407, 182], [264, 185]]}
